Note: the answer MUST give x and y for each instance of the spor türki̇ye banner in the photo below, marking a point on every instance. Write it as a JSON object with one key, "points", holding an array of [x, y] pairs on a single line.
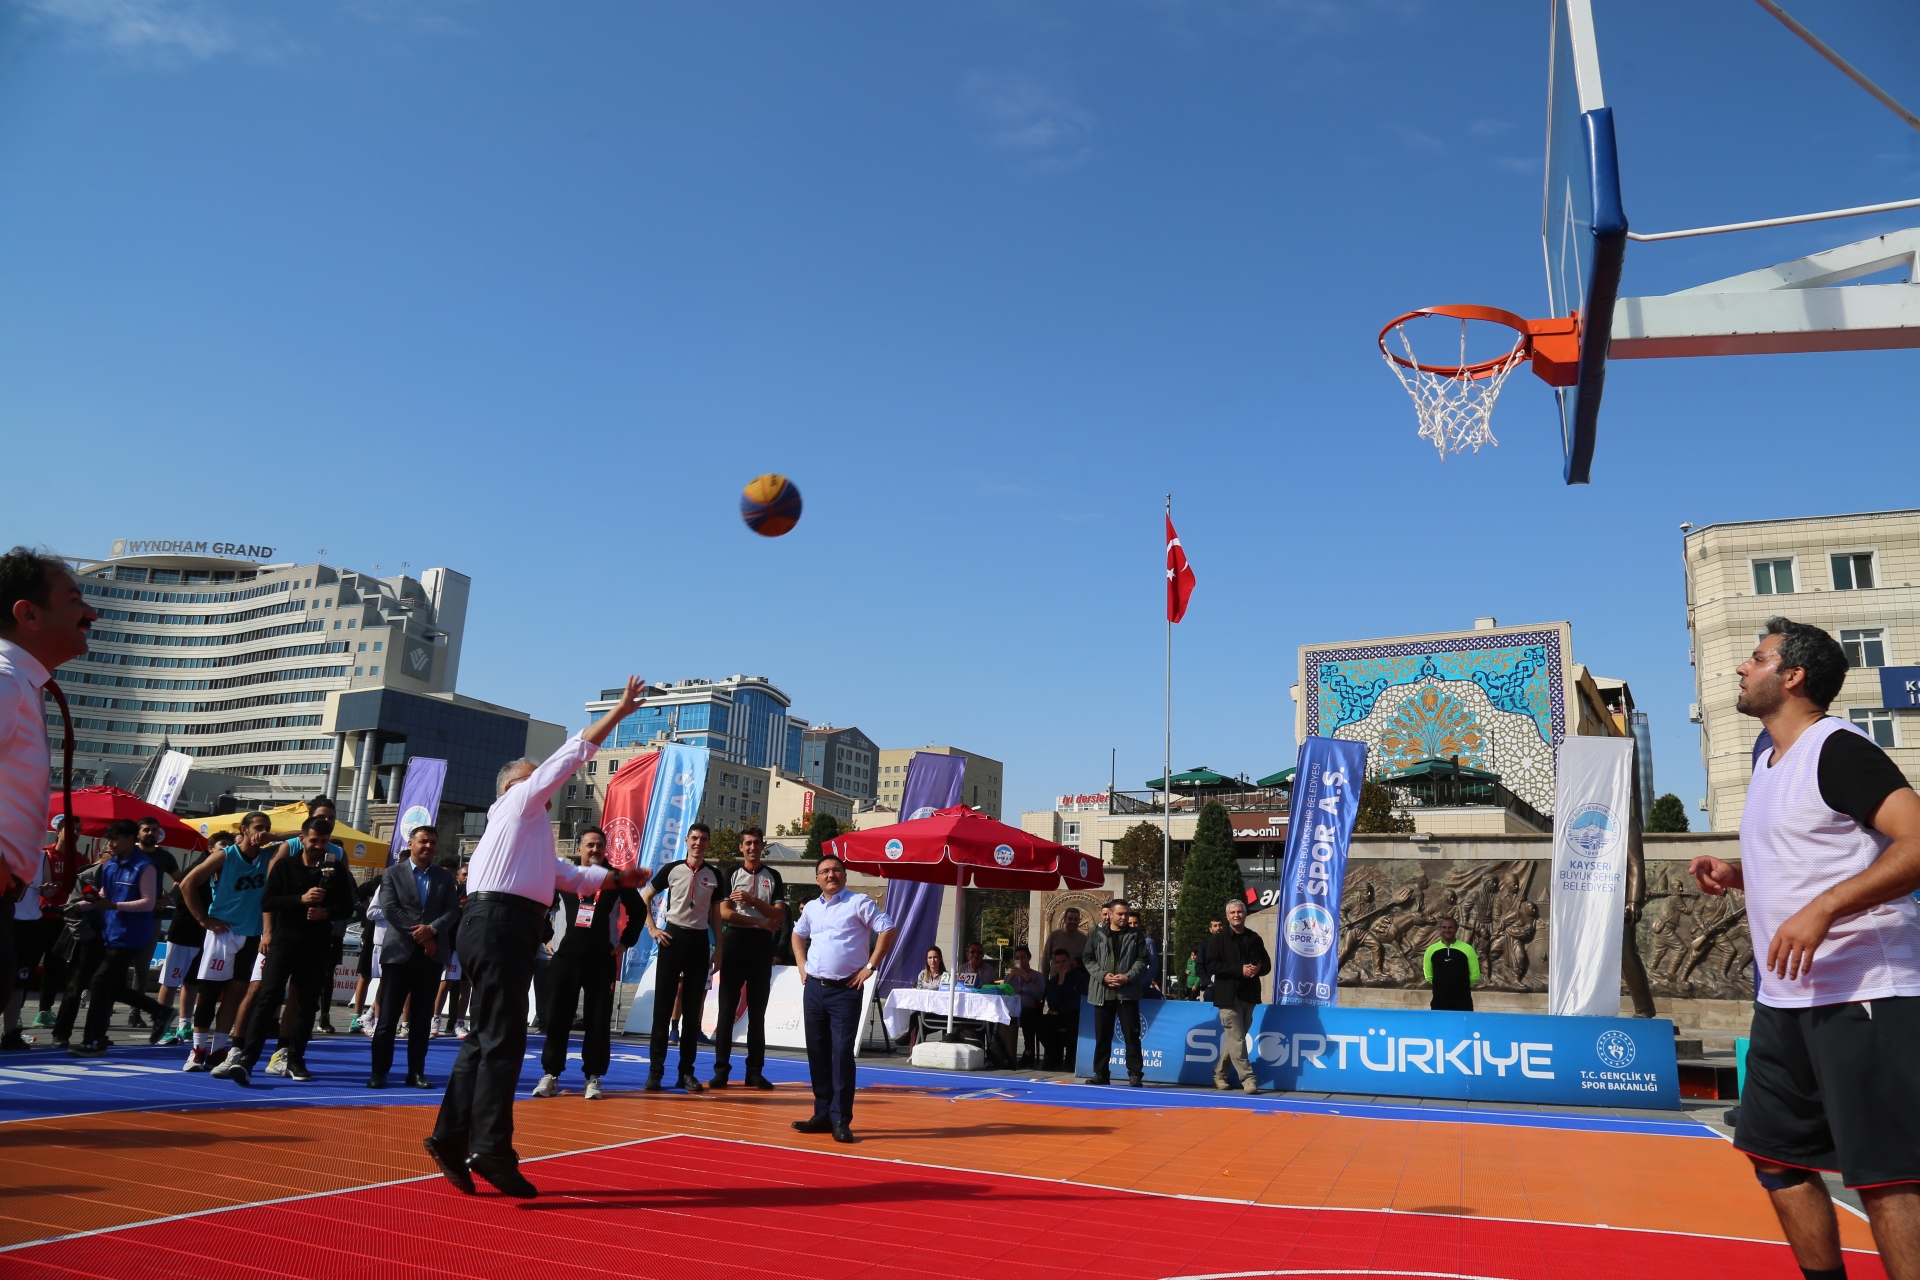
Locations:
{"points": [[1592, 793], [1326, 801]]}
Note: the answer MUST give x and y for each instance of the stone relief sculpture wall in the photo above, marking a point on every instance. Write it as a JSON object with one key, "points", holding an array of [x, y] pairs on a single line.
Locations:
{"points": [[1694, 947]]}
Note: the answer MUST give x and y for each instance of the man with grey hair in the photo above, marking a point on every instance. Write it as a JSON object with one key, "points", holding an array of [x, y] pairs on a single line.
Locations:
{"points": [[510, 887], [1235, 959], [1829, 859]]}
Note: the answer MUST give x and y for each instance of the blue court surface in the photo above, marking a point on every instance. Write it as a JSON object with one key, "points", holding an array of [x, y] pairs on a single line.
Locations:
{"points": [[45, 1083]]}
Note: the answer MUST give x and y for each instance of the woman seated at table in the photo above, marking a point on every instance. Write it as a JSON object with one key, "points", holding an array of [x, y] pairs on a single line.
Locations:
{"points": [[931, 978]]}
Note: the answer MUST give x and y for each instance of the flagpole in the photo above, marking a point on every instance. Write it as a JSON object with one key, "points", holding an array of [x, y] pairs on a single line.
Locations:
{"points": [[1166, 798]]}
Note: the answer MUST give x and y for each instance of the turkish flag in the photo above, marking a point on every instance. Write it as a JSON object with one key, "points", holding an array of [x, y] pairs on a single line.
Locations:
{"points": [[1180, 577]]}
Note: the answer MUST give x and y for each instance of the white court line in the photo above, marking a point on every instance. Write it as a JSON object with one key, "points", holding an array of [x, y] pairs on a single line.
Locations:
{"points": [[310, 1195], [1262, 1204]]}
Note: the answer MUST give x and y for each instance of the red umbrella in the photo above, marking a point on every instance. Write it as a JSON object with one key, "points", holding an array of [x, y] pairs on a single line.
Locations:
{"points": [[957, 845], [95, 807]]}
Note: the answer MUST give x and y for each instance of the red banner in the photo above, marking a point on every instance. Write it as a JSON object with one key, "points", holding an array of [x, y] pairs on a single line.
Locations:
{"points": [[624, 814]]}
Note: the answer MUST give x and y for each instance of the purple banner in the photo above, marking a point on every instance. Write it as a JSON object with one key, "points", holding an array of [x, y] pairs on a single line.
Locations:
{"points": [[419, 802], [933, 783]]}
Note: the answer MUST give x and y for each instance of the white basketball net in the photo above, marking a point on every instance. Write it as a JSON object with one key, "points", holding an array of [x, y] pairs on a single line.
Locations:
{"points": [[1456, 410]]}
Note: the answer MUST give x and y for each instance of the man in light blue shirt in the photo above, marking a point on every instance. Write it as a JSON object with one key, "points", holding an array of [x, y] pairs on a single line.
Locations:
{"points": [[840, 940]]}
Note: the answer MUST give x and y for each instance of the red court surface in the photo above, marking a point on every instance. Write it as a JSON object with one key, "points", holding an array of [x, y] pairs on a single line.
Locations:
{"points": [[683, 1206]]}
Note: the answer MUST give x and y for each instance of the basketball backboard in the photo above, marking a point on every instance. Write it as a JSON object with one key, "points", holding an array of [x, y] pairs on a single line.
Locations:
{"points": [[1583, 229]]}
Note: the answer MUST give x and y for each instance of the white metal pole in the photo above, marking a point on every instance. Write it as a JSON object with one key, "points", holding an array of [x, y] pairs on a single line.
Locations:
{"points": [[1166, 798]]}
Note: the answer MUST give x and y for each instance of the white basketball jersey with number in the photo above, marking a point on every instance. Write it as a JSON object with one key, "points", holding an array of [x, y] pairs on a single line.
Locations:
{"points": [[1792, 849]]}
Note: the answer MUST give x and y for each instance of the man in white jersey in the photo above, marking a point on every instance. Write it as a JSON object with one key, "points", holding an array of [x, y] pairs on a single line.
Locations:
{"points": [[1829, 859]]}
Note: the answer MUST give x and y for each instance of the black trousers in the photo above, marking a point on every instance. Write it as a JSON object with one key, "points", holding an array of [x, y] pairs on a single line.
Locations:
{"points": [[568, 979], [1033, 1032], [1062, 1038], [309, 969], [11, 933], [831, 1013], [1128, 1012], [33, 944], [682, 967], [746, 963], [498, 936], [417, 976]]}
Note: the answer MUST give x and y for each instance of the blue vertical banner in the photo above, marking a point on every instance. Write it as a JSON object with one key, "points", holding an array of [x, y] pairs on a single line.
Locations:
{"points": [[933, 783], [678, 784], [1326, 801], [419, 802]]}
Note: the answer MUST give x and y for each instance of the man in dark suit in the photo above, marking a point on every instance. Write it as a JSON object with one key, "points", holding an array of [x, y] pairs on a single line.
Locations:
{"points": [[586, 963], [420, 905]]}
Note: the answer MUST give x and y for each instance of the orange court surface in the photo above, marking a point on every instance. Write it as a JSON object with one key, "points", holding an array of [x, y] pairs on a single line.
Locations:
{"points": [[123, 1167]]}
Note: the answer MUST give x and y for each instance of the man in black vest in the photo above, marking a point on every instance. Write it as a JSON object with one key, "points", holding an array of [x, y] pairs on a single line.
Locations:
{"points": [[585, 963], [421, 906], [1452, 968]]}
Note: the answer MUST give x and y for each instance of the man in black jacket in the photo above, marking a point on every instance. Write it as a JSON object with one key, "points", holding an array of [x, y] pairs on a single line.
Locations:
{"points": [[1236, 959], [420, 905], [585, 963], [305, 895]]}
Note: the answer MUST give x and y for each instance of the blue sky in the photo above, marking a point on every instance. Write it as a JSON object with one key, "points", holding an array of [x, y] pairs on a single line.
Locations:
{"points": [[533, 290]]}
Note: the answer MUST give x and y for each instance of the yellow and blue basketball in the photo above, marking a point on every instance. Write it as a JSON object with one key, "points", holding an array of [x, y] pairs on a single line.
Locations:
{"points": [[770, 505]]}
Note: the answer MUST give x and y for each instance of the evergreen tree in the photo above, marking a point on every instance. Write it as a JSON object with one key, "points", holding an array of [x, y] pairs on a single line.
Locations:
{"points": [[1212, 876], [823, 828], [1376, 810], [1139, 852], [1668, 814]]}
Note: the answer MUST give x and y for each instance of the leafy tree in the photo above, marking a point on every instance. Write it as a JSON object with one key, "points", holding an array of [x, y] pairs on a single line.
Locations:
{"points": [[824, 827], [725, 845], [1668, 814], [1210, 878], [1138, 852], [1376, 810]]}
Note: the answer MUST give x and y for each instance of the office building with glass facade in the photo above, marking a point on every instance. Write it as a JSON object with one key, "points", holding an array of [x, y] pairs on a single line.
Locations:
{"points": [[741, 719]]}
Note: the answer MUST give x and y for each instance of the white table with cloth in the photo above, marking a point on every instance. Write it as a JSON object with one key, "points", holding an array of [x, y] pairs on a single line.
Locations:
{"points": [[932, 1006]]}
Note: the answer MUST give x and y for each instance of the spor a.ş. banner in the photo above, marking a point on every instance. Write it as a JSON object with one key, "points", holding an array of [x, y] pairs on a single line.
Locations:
{"points": [[680, 778], [1592, 796], [1326, 801]]}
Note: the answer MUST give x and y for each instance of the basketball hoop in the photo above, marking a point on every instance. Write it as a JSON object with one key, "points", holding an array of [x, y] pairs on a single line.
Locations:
{"points": [[1455, 401]]}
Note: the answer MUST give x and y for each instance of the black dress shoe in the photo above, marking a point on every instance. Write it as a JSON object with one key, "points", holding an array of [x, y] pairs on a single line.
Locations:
{"points": [[1137, 1082], [418, 1080], [818, 1124], [652, 1085], [691, 1083], [504, 1173], [380, 1082], [1102, 1080], [720, 1080], [453, 1164], [844, 1133], [758, 1082]]}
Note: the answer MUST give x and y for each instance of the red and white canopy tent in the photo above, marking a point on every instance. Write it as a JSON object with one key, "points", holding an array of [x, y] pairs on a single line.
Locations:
{"points": [[959, 847]]}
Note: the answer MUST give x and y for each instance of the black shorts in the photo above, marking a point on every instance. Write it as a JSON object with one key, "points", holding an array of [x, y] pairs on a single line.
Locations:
{"points": [[364, 965], [1833, 1088]]}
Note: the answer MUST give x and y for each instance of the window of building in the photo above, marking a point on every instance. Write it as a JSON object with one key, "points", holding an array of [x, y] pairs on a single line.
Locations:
{"points": [[613, 766], [1853, 571], [1877, 722], [1773, 577], [373, 671], [376, 645], [329, 602], [589, 791], [352, 622], [1866, 647], [573, 791], [363, 646], [357, 671], [593, 767], [336, 624]]}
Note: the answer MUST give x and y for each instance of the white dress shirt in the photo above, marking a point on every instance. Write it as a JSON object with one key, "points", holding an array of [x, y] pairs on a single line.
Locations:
{"points": [[516, 855], [25, 776], [839, 932]]}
